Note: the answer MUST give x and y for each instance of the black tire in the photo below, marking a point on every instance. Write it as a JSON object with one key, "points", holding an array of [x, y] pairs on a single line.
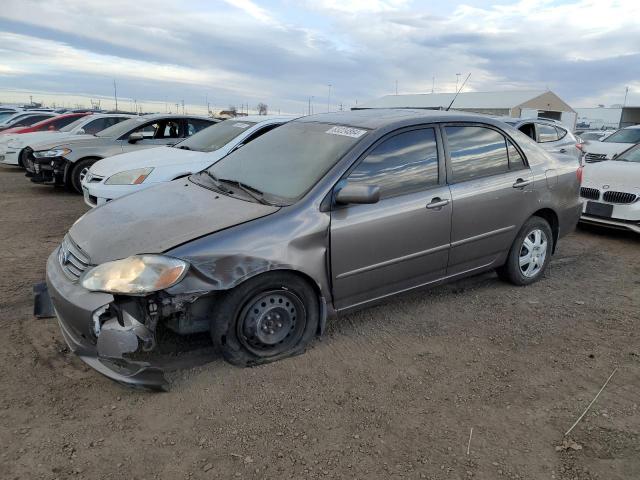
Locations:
{"points": [[75, 177], [267, 318], [512, 270]]}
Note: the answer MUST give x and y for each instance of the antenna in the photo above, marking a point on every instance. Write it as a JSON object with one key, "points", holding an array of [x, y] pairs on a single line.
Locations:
{"points": [[456, 95]]}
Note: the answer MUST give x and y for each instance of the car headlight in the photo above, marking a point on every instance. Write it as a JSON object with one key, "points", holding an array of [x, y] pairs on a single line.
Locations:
{"points": [[54, 152], [129, 177], [135, 275]]}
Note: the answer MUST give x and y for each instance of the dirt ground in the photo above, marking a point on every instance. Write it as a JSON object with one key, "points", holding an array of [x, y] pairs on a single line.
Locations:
{"points": [[389, 392]]}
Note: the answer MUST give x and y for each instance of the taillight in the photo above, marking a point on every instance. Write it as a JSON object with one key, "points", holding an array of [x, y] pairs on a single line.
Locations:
{"points": [[579, 174]]}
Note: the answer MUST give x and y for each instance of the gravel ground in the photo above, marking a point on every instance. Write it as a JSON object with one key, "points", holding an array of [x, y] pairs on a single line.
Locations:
{"points": [[390, 392]]}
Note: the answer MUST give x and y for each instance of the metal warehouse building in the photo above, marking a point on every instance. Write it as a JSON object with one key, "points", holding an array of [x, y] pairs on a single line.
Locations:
{"points": [[512, 103]]}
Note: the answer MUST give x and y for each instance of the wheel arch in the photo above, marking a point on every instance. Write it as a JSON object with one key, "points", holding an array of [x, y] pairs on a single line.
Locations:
{"points": [[552, 218], [71, 165], [308, 279]]}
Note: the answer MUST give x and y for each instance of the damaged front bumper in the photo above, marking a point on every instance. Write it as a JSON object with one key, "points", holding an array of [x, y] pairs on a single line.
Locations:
{"points": [[101, 335]]}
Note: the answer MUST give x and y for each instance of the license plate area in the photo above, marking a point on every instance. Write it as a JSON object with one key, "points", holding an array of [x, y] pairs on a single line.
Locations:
{"points": [[598, 209]]}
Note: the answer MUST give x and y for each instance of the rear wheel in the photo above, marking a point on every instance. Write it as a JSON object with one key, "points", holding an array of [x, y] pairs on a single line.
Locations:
{"points": [[267, 318], [530, 253], [78, 172]]}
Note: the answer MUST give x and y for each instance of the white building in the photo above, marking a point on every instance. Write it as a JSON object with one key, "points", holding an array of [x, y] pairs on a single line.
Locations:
{"points": [[512, 103], [607, 117]]}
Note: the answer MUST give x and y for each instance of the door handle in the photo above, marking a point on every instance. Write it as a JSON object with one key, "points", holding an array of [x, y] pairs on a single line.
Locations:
{"points": [[563, 150], [437, 203], [521, 183]]}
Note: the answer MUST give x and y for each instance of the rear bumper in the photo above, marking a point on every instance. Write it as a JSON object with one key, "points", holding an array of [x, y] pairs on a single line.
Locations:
{"points": [[75, 308], [568, 219]]}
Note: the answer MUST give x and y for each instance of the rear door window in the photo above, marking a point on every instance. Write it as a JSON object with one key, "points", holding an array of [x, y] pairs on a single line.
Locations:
{"points": [[546, 133], [402, 164], [476, 152]]}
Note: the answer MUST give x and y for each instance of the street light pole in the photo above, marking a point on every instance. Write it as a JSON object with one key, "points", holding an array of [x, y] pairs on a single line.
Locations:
{"points": [[329, 100]]}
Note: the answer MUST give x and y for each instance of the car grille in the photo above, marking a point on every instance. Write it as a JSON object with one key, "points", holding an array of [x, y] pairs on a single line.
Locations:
{"points": [[72, 260], [590, 193], [595, 157], [619, 197]]}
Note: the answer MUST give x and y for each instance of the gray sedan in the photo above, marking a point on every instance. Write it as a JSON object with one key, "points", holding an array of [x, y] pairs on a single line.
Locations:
{"points": [[65, 162], [324, 215]]}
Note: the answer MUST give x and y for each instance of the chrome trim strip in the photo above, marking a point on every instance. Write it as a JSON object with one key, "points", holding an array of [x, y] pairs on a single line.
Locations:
{"points": [[392, 261], [482, 236]]}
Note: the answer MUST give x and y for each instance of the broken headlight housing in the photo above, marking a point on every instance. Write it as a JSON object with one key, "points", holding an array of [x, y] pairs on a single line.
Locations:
{"points": [[135, 275], [129, 177]]}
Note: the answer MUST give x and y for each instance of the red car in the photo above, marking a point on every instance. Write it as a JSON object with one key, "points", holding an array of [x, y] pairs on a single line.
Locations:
{"points": [[50, 124]]}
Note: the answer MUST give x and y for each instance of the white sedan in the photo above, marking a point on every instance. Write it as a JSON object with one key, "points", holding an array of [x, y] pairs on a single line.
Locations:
{"points": [[611, 190], [616, 143], [126, 173], [12, 147]]}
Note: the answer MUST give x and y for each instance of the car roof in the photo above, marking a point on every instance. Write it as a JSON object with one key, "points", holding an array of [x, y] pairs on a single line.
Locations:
{"points": [[264, 118], [154, 116], [375, 118]]}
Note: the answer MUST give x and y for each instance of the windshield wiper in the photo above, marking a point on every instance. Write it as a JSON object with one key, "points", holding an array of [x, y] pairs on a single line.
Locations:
{"points": [[216, 181], [253, 192]]}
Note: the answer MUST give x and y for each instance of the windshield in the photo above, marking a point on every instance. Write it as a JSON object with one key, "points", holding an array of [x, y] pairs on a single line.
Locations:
{"points": [[216, 136], [5, 115], [626, 135], [74, 124], [121, 128], [285, 163], [631, 155]]}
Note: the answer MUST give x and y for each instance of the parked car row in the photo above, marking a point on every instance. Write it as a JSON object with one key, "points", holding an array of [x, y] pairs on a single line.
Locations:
{"points": [[258, 229]]}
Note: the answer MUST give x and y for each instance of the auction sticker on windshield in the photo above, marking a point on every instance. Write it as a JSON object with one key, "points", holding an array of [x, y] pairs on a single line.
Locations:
{"points": [[346, 131], [241, 125]]}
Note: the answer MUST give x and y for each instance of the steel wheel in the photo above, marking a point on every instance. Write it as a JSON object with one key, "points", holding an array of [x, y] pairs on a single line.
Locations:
{"points": [[271, 322], [533, 253]]}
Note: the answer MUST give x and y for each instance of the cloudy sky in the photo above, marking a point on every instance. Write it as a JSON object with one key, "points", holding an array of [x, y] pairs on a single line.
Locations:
{"points": [[282, 52]]}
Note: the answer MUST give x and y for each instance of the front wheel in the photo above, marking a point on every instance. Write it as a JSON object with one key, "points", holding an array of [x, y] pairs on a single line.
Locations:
{"points": [[78, 173], [269, 317], [530, 253]]}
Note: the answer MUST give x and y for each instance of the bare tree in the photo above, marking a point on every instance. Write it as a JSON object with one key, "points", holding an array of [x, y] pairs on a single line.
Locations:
{"points": [[233, 110], [263, 108]]}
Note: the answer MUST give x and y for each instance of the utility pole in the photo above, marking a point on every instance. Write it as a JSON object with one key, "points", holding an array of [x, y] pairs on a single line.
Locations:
{"points": [[626, 92], [433, 83], [396, 87], [115, 93], [329, 99], [183, 107]]}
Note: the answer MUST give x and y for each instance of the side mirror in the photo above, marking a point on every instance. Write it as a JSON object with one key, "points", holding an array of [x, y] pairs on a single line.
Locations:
{"points": [[81, 131], [136, 137], [358, 194], [615, 155]]}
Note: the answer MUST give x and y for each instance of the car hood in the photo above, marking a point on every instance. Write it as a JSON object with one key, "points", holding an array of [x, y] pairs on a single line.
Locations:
{"points": [[608, 148], [70, 142], [151, 157], [33, 138], [159, 218], [615, 173]]}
